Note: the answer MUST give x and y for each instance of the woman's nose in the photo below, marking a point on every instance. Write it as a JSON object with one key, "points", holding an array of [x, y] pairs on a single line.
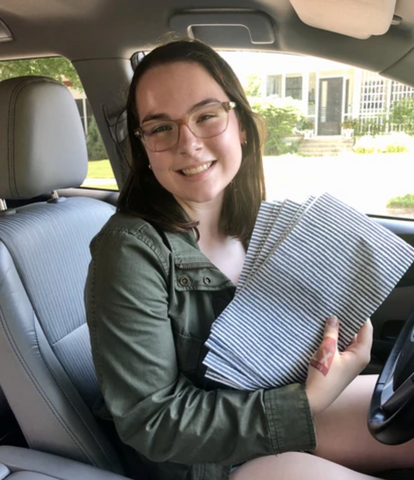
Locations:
{"points": [[187, 141]]}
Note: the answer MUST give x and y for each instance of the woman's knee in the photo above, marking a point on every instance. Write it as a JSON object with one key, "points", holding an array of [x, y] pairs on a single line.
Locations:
{"points": [[295, 466], [272, 467]]}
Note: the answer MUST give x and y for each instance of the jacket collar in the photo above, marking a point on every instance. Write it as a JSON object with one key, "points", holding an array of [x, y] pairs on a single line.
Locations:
{"points": [[186, 251], [187, 256]]}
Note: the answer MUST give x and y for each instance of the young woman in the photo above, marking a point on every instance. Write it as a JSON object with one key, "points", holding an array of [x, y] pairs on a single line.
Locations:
{"points": [[165, 266]]}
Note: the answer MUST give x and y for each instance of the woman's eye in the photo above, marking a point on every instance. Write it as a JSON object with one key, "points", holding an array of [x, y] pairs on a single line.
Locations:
{"points": [[205, 116], [160, 129]]}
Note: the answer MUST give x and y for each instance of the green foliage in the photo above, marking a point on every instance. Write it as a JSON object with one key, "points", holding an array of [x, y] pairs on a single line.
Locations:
{"points": [[289, 147], [363, 150], [280, 121], [58, 68], [396, 148], [96, 147], [305, 124], [253, 86], [407, 201], [372, 126], [402, 113], [396, 142], [351, 123]]}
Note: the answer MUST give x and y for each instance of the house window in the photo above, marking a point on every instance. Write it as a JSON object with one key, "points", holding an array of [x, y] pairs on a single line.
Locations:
{"points": [[274, 85], [293, 87], [312, 94], [373, 94], [400, 91], [324, 101], [348, 106]]}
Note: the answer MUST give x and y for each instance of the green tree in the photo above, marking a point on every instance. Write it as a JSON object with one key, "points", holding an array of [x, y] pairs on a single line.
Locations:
{"points": [[58, 68], [253, 86], [280, 123], [407, 201], [402, 113], [94, 142]]}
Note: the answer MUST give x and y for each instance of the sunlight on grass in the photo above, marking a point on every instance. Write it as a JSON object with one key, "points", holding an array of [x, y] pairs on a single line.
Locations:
{"points": [[100, 176], [100, 186], [100, 169]]}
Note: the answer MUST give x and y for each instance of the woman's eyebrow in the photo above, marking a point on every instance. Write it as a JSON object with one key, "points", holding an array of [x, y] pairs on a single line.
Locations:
{"points": [[156, 116], [203, 102], [164, 116]]}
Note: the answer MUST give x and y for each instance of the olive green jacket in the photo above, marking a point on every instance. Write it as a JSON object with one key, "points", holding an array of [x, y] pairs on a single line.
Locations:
{"points": [[151, 298]]}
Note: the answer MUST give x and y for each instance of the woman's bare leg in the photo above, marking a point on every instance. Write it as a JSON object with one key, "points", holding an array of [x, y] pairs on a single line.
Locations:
{"points": [[343, 436], [295, 466], [345, 446]]}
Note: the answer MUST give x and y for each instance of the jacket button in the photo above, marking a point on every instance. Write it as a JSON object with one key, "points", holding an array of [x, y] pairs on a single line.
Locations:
{"points": [[207, 280], [184, 281]]}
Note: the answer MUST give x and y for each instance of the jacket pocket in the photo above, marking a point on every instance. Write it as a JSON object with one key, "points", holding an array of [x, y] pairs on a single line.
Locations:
{"points": [[201, 278], [188, 351]]}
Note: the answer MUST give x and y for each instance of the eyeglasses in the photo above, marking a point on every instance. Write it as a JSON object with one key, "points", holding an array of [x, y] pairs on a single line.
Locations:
{"points": [[205, 122]]}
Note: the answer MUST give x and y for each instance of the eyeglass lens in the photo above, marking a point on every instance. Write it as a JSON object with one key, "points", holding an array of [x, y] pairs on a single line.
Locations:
{"points": [[207, 121]]}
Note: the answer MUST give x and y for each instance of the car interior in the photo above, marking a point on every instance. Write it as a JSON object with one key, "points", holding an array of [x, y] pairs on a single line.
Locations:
{"points": [[47, 220]]}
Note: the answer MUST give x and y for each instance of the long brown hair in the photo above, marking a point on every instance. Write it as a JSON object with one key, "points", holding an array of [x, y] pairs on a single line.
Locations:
{"points": [[143, 196]]}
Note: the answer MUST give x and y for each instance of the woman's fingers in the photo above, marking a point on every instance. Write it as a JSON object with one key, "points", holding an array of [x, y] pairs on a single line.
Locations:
{"points": [[363, 343], [332, 327], [365, 334], [364, 337], [330, 372], [324, 356]]}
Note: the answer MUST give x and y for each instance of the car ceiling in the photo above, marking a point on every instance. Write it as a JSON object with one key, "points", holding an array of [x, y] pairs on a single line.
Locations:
{"points": [[99, 29]]}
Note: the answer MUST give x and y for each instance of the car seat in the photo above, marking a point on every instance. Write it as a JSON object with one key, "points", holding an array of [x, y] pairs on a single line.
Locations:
{"points": [[46, 369]]}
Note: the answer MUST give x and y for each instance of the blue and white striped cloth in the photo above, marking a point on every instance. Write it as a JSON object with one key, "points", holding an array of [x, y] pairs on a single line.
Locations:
{"points": [[304, 263]]}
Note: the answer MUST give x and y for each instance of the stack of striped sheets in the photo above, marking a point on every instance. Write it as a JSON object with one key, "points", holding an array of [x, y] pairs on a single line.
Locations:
{"points": [[305, 262]]}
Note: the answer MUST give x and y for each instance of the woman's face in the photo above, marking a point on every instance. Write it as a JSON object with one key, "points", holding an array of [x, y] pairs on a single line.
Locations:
{"points": [[195, 170]]}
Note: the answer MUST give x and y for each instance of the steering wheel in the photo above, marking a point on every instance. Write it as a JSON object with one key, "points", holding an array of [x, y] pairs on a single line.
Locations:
{"points": [[391, 414]]}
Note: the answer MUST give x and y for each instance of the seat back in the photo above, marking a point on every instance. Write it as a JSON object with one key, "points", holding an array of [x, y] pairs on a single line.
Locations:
{"points": [[46, 368], [4, 406]]}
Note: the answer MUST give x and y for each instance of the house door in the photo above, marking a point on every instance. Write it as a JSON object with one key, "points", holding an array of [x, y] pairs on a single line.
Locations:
{"points": [[330, 106]]}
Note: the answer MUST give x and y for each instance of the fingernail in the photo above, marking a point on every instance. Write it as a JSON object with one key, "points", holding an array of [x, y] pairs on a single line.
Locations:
{"points": [[333, 321]]}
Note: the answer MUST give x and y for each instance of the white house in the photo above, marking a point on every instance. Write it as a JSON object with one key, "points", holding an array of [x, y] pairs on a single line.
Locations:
{"points": [[326, 92]]}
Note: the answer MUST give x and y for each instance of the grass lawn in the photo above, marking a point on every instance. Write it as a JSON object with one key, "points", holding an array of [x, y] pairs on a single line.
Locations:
{"points": [[100, 175], [100, 186], [100, 169]]}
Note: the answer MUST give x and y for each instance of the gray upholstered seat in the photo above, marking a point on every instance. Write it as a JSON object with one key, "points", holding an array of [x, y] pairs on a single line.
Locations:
{"points": [[4, 406], [46, 369], [23, 464]]}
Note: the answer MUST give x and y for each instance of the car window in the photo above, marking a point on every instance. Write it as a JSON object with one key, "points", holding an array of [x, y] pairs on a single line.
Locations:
{"points": [[332, 127], [100, 174]]}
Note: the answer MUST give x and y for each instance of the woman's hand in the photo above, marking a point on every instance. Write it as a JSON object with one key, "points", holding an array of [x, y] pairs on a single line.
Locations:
{"points": [[331, 371]]}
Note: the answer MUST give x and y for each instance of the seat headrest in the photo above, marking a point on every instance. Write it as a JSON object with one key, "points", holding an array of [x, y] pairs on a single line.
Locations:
{"points": [[42, 143]]}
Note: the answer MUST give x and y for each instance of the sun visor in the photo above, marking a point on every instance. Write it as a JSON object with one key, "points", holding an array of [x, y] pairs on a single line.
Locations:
{"points": [[354, 18]]}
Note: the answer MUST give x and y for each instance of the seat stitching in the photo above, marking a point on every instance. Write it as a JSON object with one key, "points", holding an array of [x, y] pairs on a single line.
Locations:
{"points": [[35, 384], [70, 401], [43, 394], [54, 344]]}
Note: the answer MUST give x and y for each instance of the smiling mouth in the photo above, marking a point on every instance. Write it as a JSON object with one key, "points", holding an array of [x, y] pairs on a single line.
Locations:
{"points": [[193, 171]]}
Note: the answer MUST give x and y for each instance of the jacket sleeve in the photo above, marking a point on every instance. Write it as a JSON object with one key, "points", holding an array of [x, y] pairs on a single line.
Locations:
{"points": [[155, 408]]}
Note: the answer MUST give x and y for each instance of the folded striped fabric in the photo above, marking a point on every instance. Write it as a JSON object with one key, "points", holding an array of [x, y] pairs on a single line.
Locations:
{"points": [[305, 262]]}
